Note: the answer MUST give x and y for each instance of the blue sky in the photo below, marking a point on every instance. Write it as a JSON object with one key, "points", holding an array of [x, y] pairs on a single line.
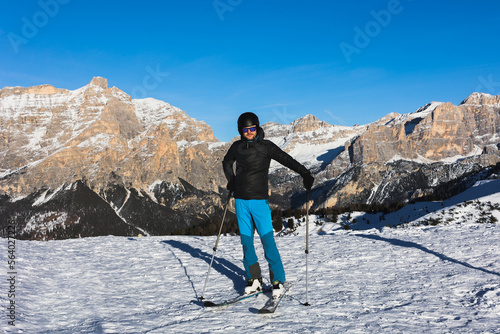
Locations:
{"points": [[345, 62]]}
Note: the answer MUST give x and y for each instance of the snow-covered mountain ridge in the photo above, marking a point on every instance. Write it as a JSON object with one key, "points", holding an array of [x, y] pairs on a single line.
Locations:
{"points": [[152, 168], [97, 141], [398, 158]]}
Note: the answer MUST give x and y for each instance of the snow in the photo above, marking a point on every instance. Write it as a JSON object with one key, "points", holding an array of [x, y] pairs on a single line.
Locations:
{"points": [[98, 142], [414, 279], [150, 111], [320, 146], [476, 96], [63, 105], [313, 148], [425, 110], [50, 220], [183, 145], [216, 145], [420, 113], [450, 160], [475, 152], [47, 195], [311, 155]]}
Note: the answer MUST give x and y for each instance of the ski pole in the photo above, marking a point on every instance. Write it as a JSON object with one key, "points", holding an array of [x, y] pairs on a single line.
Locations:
{"points": [[307, 246], [215, 247]]}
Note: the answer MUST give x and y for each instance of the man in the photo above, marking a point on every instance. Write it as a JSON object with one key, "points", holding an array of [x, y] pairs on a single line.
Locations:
{"points": [[253, 154]]}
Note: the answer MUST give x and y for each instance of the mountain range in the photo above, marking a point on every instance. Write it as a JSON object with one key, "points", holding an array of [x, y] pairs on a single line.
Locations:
{"points": [[93, 161]]}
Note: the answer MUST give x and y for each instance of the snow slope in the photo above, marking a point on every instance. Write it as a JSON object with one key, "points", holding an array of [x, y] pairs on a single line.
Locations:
{"points": [[419, 279]]}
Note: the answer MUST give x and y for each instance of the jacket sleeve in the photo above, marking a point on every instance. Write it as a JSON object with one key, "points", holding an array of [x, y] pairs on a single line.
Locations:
{"points": [[228, 162], [285, 159]]}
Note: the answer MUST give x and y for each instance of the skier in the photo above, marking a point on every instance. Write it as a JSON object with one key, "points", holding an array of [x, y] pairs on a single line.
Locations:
{"points": [[253, 154]]}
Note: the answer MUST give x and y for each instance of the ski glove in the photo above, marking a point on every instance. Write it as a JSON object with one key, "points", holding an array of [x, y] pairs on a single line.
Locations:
{"points": [[308, 180]]}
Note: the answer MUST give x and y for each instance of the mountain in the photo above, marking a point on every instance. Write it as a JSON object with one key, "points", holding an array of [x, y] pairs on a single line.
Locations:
{"points": [[399, 158], [94, 161], [145, 160], [95, 133]]}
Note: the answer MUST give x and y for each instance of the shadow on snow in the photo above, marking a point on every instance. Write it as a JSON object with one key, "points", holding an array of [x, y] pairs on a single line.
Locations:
{"points": [[330, 155], [223, 266], [410, 244]]}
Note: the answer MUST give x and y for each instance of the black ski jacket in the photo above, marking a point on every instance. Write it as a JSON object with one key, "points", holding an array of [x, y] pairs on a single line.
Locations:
{"points": [[252, 166]]}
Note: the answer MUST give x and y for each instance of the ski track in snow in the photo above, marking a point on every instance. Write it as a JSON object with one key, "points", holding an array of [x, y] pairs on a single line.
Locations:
{"points": [[437, 279]]}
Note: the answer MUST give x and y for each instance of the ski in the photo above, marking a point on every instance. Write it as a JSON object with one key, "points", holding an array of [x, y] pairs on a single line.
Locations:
{"points": [[230, 301], [272, 304]]}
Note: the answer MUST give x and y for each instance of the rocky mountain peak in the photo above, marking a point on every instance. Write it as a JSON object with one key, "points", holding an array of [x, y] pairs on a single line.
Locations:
{"points": [[308, 123], [436, 132], [428, 107], [482, 99], [91, 133], [35, 90], [99, 82]]}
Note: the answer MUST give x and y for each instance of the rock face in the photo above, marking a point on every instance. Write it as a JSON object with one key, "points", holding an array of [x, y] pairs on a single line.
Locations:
{"points": [[91, 133], [93, 161], [99, 136], [433, 133], [398, 158]]}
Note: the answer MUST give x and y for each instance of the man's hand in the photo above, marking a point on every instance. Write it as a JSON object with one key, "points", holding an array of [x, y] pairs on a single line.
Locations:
{"points": [[308, 180]]}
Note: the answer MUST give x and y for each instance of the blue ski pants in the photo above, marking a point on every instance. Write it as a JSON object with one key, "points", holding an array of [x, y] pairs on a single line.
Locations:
{"points": [[251, 215]]}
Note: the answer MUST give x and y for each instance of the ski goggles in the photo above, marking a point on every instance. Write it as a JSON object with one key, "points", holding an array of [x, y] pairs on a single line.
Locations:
{"points": [[252, 129]]}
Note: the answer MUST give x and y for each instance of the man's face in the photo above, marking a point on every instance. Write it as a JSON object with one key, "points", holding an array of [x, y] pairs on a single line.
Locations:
{"points": [[249, 134]]}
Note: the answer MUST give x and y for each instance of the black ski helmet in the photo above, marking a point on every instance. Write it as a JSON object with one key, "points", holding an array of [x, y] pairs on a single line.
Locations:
{"points": [[247, 119]]}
